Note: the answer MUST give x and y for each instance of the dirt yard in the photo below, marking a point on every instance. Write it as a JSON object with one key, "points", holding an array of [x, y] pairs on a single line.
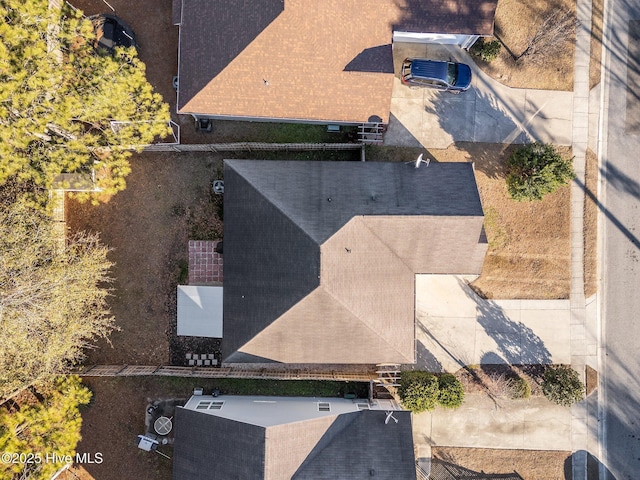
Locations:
{"points": [[597, 14], [484, 463], [168, 200], [529, 242], [516, 21]]}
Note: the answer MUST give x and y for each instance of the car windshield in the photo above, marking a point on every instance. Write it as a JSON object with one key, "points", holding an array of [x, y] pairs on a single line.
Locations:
{"points": [[452, 73]]}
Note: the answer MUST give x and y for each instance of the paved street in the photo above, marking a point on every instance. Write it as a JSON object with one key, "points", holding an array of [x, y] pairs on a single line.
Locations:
{"points": [[621, 223]]}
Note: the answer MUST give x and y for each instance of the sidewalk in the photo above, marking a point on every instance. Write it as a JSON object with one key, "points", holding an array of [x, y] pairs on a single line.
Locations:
{"points": [[584, 312]]}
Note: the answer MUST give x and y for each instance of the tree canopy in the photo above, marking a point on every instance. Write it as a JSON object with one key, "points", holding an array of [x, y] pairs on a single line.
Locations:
{"points": [[45, 433], [59, 96], [53, 296], [561, 384], [535, 170]]}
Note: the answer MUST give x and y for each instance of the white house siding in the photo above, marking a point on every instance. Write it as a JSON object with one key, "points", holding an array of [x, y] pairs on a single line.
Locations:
{"points": [[464, 41]]}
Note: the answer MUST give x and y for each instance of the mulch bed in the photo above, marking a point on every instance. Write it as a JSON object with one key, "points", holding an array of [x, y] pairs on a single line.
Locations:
{"points": [[478, 378]]}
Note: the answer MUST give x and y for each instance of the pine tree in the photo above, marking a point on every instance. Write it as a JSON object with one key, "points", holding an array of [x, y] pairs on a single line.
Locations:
{"points": [[535, 170], [59, 95], [44, 432]]}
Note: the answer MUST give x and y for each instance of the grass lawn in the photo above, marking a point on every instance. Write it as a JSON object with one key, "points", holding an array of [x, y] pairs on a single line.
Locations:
{"points": [[516, 21], [225, 131], [529, 242], [591, 226]]}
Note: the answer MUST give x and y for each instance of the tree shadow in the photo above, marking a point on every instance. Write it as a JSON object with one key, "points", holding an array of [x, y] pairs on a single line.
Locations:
{"points": [[608, 214], [489, 359], [619, 180], [398, 134], [475, 116], [490, 113], [488, 158], [617, 48], [517, 344], [632, 120], [620, 423], [594, 466]]}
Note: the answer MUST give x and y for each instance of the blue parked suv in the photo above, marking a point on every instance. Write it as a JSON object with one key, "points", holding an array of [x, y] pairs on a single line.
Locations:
{"points": [[447, 76]]}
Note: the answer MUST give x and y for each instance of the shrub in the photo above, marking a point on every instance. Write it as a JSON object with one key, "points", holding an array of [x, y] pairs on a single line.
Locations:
{"points": [[535, 170], [451, 391], [418, 391], [486, 50], [511, 385], [562, 385], [520, 388]]}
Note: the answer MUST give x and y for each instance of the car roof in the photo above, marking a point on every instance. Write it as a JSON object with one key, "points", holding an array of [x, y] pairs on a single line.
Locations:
{"points": [[429, 68], [112, 31]]}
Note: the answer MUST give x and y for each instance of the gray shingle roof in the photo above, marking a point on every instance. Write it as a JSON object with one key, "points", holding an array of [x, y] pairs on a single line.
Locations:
{"points": [[350, 445], [207, 447], [321, 257], [366, 445]]}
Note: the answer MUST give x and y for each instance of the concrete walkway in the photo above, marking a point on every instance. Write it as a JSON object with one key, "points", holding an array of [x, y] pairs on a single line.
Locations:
{"points": [[533, 424], [455, 328], [488, 112]]}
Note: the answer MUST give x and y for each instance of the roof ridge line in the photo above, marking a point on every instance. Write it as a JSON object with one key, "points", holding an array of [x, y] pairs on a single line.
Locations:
{"points": [[362, 321], [393, 252], [311, 456], [271, 202], [402, 260]]}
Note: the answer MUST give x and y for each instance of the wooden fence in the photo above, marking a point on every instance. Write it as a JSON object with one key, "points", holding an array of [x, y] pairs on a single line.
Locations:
{"points": [[250, 146], [224, 372]]}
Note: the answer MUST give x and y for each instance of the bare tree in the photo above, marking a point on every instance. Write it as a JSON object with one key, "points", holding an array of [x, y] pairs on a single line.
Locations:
{"points": [[556, 31], [53, 301]]}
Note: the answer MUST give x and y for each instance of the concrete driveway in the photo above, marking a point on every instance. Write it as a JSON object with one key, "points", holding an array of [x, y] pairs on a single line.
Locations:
{"points": [[534, 424], [488, 112], [455, 327]]}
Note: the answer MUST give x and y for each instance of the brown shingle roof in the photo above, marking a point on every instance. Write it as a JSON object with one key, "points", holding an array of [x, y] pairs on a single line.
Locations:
{"points": [[304, 59], [469, 17]]}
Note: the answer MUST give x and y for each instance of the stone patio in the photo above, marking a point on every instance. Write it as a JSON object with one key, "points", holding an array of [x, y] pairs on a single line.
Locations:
{"points": [[205, 264]]}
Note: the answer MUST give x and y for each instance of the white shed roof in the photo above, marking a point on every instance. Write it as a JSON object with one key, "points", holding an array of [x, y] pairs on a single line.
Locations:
{"points": [[200, 311]]}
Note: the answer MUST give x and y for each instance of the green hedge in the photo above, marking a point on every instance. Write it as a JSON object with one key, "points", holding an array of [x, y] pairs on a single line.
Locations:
{"points": [[420, 391]]}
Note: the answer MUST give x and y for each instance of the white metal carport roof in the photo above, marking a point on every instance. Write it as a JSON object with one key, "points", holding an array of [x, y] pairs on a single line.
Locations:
{"points": [[200, 311]]}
